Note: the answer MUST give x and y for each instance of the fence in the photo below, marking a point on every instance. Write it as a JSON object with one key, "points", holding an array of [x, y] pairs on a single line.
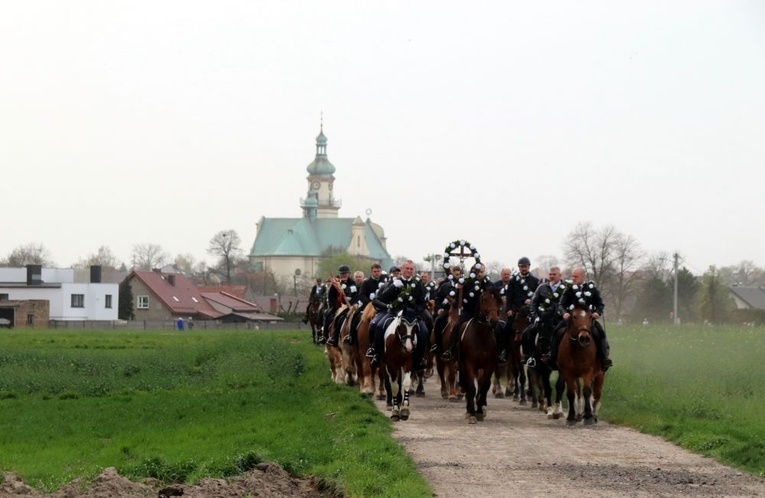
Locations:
{"points": [[172, 325]]}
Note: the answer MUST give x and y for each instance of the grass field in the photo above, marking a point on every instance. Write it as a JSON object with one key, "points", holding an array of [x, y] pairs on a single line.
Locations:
{"points": [[700, 387], [182, 406]]}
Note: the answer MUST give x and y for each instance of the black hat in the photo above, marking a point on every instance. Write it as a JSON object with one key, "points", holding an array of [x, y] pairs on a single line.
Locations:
{"points": [[524, 261], [344, 269], [394, 269]]}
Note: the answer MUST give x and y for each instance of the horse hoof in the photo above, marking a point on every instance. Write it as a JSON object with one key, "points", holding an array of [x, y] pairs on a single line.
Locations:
{"points": [[522, 402], [420, 394], [480, 417], [556, 416], [570, 423], [395, 418], [380, 397], [472, 420], [452, 399], [499, 394], [589, 421], [389, 407]]}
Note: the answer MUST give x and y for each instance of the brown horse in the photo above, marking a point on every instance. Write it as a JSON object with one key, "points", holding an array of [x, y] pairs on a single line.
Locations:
{"points": [[447, 369], [397, 358], [514, 369], [366, 372], [478, 354], [315, 312], [334, 353], [580, 367]]}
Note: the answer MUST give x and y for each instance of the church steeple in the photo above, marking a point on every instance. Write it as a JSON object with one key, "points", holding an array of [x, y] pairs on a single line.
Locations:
{"points": [[320, 182]]}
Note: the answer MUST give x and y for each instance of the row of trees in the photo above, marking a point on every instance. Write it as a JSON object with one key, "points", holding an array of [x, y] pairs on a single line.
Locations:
{"points": [[636, 285]]}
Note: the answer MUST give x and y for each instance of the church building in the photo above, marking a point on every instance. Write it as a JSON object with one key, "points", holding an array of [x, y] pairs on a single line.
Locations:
{"points": [[291, 248]]}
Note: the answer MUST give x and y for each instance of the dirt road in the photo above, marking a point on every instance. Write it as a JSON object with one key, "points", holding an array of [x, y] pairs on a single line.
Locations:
{"points": [[517, 451]]}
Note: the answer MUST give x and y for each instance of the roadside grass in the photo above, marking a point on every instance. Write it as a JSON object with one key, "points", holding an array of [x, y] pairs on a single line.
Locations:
{"points": [[699, 387], [183, 406]]}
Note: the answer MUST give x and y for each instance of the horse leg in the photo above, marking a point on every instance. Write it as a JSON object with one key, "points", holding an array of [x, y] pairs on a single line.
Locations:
{"points": [[467, 379], [483, 392], [388, 396], [571, 389], [382, 382], [407, 381], [579, 400], [420, 391], [597, 392], [587, 395], [395, 383], [521, 384], [557, 411]]}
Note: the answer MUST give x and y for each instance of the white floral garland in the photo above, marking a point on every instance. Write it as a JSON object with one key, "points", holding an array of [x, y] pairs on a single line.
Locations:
{"points": [[552, 299], [405, 291], [461, 244], [582, 294]]}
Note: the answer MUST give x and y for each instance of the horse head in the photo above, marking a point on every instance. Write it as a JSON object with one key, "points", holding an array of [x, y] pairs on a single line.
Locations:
{"points": [[490, 304], [580, 326], [338, 294], [403, 329]]}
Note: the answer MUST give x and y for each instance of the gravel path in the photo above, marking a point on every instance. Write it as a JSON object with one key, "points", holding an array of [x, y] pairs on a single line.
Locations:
{"points": [[517, 451]]}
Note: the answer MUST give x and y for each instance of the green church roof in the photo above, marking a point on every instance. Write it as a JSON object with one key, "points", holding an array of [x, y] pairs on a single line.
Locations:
{"points": [[311, 237]]}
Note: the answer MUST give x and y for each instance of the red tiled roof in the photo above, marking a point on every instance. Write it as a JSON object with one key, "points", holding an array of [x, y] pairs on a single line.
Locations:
{"points": [[232, 302], [182, 298], [235, 290]]}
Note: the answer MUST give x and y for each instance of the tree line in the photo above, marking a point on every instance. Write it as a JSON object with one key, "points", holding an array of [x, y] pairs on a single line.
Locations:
{"points": [[636, 285]]}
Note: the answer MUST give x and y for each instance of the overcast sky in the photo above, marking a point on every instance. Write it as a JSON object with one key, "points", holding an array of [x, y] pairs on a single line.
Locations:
{"points": [[503, 123]]}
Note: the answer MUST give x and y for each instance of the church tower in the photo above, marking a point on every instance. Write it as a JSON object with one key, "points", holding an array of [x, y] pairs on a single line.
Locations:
{"points": [[320, 201]]}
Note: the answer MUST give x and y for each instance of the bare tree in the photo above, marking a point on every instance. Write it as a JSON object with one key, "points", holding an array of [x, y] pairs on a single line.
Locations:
{"points": [[225, 246], [546, 261], [104, 257], [148, 256], [185, 262], [610, 257], [29, 254]]}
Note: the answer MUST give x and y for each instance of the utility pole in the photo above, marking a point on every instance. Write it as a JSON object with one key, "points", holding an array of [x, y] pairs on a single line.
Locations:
{"points": [[676, 320]]}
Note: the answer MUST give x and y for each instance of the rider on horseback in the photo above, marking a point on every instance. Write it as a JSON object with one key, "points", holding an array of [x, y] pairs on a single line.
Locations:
{"points": [[348, 287], [317, 294], [545, 315], [471, 302], [519, 291], [369, 289], [405, 293], [581, 292], [446, 290]]}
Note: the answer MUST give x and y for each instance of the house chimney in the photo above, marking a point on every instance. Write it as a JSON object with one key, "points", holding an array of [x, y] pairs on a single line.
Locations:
{"points": [[171, 279], [34, 274], [95, 274]]}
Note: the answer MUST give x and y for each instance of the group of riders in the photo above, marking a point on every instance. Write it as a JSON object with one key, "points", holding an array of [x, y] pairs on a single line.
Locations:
{"points": [[546, 304]]}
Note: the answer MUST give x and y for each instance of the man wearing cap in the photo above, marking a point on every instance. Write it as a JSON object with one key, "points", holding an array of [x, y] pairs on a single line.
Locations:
{"points": [[348, 286], [519, 292], [406, 294]]}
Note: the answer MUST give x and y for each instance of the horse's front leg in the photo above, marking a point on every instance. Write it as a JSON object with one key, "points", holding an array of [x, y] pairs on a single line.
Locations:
{"points": [[467, 379], [483, 393], [571, 388], [587, 395], [395, 383], [407, 385], [557, 410]]}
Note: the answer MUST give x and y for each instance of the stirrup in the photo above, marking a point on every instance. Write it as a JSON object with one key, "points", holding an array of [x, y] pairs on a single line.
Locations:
{"points": [[322, 340], [375, 360], [371, 353], [502, 357], [348, 339], [332, 341], [434, 349], [531, 362], [446, 355]]}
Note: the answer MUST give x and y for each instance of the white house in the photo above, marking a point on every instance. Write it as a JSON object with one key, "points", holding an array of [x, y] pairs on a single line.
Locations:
{"points": [[69, 300]]}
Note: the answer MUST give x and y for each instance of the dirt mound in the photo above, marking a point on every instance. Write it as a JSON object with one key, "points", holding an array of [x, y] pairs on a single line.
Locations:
{"points": [[265, 480]]}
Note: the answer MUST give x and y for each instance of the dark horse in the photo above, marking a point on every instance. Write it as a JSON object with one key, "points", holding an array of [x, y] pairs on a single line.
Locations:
{"points": [[478, 354], [580, 367], [315, 312], [397, 359]]}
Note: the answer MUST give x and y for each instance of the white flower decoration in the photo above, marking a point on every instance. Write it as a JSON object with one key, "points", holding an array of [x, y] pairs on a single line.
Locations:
{"points": [[472, 247], [592, 286], [575, 287], [447, 266], [371, 296], [472, 275], [462, 243], [452, 245], [472, 295], [578, 294], [461, 280], [398, 283], [411, 297], [588, 293], [353, 288], [525, 287], [451, 293], [547, 301], [476, 255], [555, 295], [400, 299]]}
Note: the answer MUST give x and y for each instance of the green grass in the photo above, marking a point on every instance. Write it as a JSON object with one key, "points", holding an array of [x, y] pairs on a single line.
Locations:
{"points": [[180, 407], [700, 387]]}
